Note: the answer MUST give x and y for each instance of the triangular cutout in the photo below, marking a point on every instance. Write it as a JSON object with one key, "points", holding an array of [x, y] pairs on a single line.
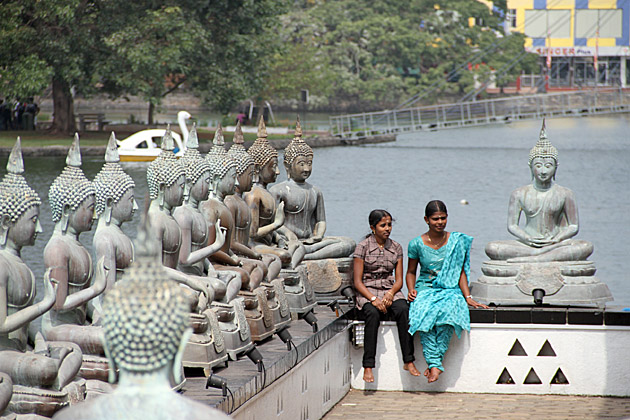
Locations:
{"points": [[532, 378], [505, 378], [517, 349], [547, 350], [559, 378]]}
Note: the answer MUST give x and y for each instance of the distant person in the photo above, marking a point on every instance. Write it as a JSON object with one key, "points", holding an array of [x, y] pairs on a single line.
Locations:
{"points": [[378, 278], [29, 117], [241, 117], [5, 116], [439, 295], [18, 111]]}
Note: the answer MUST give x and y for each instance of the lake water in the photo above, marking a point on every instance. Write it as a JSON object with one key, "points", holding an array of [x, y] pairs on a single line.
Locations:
{"points": [[480, 164]]}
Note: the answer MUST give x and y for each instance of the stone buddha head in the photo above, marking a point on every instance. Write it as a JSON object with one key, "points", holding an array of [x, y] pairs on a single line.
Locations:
{"points": [[543, 159], [114, 188], [265, 157], [244, 161], [298, 157], [72, 196], [222, 166], [166, 175], [146, 316], [197, 170], [19, 205]]}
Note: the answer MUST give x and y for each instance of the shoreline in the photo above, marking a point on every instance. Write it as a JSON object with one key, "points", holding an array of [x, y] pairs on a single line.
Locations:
{"points": [[322, 141]]}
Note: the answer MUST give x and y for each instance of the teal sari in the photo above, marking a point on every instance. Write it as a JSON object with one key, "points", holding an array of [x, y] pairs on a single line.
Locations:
{"points": [[443, 302]]}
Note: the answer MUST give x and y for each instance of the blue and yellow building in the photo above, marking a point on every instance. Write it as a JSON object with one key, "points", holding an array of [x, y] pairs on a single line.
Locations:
{"points": [[584, 42]]}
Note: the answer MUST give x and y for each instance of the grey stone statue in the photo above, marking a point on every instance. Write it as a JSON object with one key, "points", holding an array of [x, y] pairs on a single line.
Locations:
{"points": [[72, 201], [545, 256], [146, 323], [223, 171], [115, 204], [267, 216], [44, 374], [304, 212], [166, 177]]}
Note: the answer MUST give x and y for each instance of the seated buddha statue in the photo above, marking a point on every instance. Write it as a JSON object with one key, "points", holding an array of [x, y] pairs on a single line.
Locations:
{"points": [[545, 254], [51, 365], [72, 201], [304, 212], [223, 171], [115, 204], [146, 324], [267, 216]]}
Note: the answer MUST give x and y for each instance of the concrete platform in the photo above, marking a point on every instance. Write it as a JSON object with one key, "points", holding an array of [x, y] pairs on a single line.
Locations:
{"points": [[432, 405]]}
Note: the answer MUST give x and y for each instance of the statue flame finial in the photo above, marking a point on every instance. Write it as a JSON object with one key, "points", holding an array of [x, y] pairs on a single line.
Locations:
{"points": [[238, 134], [193, 139], [111, 153], [74, 153], [262, 128], [298, 128], [218, 139], [167, 139], [15, 165]]}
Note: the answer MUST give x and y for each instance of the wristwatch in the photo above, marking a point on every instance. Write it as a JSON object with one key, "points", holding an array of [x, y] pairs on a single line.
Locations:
{"points": [[373, 298]]}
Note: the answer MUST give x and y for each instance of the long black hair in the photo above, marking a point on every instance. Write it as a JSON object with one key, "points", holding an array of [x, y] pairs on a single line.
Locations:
{"points": [[435, 206]]}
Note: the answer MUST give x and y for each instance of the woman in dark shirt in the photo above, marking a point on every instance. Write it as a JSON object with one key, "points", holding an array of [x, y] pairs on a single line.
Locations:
{"points": [[378, 278]]}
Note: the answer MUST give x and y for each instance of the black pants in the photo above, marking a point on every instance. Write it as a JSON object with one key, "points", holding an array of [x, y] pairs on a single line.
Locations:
{"points": [[399, 312]]}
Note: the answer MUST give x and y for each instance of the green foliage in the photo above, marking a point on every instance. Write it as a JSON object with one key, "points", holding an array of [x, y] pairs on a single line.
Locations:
{"points": [[381, 52]]}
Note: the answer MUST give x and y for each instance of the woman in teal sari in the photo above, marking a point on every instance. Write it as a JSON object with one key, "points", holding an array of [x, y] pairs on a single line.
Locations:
{"points": [[439, 295]]}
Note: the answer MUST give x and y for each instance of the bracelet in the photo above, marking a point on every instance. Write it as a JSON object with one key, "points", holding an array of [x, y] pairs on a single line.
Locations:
{"points": [[469, 297], [389, 292]]}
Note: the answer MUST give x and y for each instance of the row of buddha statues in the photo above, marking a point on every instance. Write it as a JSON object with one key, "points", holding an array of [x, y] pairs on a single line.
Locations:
{"points": [[218, 265], [234, 246]]}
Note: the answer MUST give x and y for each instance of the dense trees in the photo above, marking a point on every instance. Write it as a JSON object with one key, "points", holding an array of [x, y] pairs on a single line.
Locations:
{"points": [[381, 52], [348, 53], [142, 47]]}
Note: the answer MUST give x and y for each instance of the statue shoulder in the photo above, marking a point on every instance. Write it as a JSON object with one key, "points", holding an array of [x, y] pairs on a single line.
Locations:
{"points": [[564, 191]]}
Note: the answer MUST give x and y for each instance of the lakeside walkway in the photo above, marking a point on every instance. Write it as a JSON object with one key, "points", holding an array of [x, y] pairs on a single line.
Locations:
{"points": [[386, 405]]}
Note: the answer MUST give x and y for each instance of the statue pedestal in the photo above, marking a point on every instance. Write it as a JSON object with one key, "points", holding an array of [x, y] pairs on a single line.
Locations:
{"points": [[298, 290], [329, 276], [258, 314], [564, 283], [46, 402], [234, 327], [206, 347]]}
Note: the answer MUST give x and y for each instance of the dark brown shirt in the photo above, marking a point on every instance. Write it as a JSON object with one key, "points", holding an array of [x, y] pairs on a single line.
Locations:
{"points": [[378, 267]]}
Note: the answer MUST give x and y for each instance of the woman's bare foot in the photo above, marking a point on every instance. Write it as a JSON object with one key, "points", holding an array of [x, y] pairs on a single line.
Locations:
{"points": [[411, 368], [368, 376], [426, 372], [434, 374]]}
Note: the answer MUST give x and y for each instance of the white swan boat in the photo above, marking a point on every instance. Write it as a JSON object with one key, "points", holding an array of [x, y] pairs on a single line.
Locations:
{"points": [[144, 146]]}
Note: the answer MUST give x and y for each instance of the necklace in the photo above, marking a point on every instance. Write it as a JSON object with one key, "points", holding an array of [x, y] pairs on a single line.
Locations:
{"points": [[438, 244]]}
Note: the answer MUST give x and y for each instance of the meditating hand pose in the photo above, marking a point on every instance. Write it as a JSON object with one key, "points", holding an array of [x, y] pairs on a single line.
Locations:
{"points": [[440, 293], [378, 270]]}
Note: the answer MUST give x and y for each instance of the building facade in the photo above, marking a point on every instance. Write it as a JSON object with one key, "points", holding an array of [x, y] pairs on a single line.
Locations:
{"points": [[581, 43]]}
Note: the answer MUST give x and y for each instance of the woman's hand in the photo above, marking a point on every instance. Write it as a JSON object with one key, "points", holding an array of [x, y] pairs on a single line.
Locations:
{"points": [[388, 299], [471, 302], [411, 296], [378, 303]]}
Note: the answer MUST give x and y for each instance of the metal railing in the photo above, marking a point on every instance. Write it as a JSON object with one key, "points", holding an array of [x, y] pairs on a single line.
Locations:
{"points": [[489, 111]]}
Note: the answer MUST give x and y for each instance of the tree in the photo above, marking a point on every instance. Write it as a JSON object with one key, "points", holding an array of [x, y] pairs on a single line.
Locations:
{"points": [[144, 47]]}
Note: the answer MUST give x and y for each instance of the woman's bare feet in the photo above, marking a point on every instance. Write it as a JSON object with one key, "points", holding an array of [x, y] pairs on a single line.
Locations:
{"points": [[368, 376], [411, 368], [434, 374], [426, 372]]}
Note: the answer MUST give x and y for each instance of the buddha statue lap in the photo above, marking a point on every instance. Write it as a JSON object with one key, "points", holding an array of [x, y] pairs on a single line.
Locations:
{"points": [[194, 250], [43, 378], [223, 171], [305, 220], [268, 217], [545, 261], [166, 177], [147, 326], [72, 202]]}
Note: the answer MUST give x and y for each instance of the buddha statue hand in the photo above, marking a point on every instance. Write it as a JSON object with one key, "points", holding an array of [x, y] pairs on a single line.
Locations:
{"points": [[219, 234], [100, 276], [50, 289], [279, 218], [311, 240], [539, 242]]}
